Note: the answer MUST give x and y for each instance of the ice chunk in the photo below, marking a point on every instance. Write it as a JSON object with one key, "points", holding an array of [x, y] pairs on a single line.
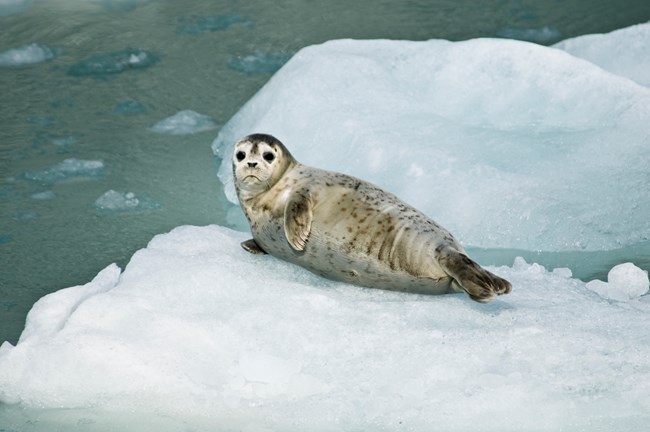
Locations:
{"points": [[259, 62], [25, 55], [121, 5], [64, 141], [115, 201], [199, 331], [199, 24], [42, 196], [183, 123], [10, 7], [41, 121], [625, 52], [624, 282], [25, 216], [68, 169], [495, 139], [128, 107], [538, 35], [100, 65]]}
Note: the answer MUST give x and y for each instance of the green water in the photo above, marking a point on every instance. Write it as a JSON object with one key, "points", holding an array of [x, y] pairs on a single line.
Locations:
{"points": [[47, 115]]}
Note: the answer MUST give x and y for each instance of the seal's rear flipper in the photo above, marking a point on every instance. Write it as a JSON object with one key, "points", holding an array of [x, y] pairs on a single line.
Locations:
{"points": [[481, 285], [252, 247]]}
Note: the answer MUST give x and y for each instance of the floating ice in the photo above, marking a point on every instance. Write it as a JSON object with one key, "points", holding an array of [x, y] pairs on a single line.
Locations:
{"points": [[68, 169], [115, 201], [505, 143], [183, 123], [10, 7], [211, 23], [25, 55], [202, 333], [100, 65], [259, 62], [624, 282], [538, 35], [121, 5], [40, 121], [42, 196], [625, 52], [128, 107], [25, 216], [64, 141]]}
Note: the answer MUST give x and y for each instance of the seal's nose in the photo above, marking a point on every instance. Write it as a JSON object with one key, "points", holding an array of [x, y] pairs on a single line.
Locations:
{"points": [[252, 164]]}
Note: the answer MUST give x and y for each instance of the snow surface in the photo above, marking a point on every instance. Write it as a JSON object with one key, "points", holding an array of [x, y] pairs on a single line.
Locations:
{"points": [[197, 327], [497, 140], [183, 123], [25, 55], [625, 52]]}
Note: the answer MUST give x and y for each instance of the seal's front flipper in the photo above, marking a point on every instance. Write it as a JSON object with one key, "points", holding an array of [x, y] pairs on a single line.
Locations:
{"points": [[481, 285], [252, 247], [298, 216]]}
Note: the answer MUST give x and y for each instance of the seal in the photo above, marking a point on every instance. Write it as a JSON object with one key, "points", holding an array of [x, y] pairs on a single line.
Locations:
{"points": [[346, 229]]}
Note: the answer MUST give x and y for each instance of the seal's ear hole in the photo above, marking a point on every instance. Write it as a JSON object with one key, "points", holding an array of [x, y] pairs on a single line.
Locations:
{"points": [[268, 156], [240, 155]]}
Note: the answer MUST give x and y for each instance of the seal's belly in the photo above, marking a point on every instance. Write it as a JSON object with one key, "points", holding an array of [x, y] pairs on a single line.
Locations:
{"points": [[367, 245]]}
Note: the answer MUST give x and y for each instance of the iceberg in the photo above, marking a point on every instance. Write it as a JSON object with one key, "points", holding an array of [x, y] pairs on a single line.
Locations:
{"points": [[198, 332], [25, 55], [183, 123], [625, 52], [508, 144]]}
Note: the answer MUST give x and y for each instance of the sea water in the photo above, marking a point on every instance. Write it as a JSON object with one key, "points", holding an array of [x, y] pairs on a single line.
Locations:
{"points": [[84, 84]]}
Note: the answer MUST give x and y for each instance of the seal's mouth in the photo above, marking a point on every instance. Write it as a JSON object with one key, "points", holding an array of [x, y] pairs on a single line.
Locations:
{"points": [[250, 178]]}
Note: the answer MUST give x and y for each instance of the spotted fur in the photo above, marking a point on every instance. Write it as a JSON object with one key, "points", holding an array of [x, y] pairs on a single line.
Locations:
{"points": [[347, 229]]}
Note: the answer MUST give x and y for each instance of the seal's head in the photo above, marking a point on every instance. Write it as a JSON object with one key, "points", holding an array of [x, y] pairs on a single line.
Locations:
{"points": [[259, 161]]}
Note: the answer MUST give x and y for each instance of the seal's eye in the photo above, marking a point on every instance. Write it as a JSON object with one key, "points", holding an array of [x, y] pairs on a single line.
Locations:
{"points": [[268, 156], [240, 156]]}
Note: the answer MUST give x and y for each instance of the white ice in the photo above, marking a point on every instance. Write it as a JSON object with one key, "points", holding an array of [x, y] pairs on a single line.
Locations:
{"points": [[25, 55], [66, 170], [505, 143], [624, 282], [198, 329], [116, 201], [625, 52], [183, 123]]}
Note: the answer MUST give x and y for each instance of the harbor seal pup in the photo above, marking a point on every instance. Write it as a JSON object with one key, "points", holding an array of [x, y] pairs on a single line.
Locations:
{"points": [[347, 229]]}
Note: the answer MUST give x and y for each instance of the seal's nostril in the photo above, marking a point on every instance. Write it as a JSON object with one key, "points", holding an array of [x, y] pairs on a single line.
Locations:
{"points": [[252, 164]]}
